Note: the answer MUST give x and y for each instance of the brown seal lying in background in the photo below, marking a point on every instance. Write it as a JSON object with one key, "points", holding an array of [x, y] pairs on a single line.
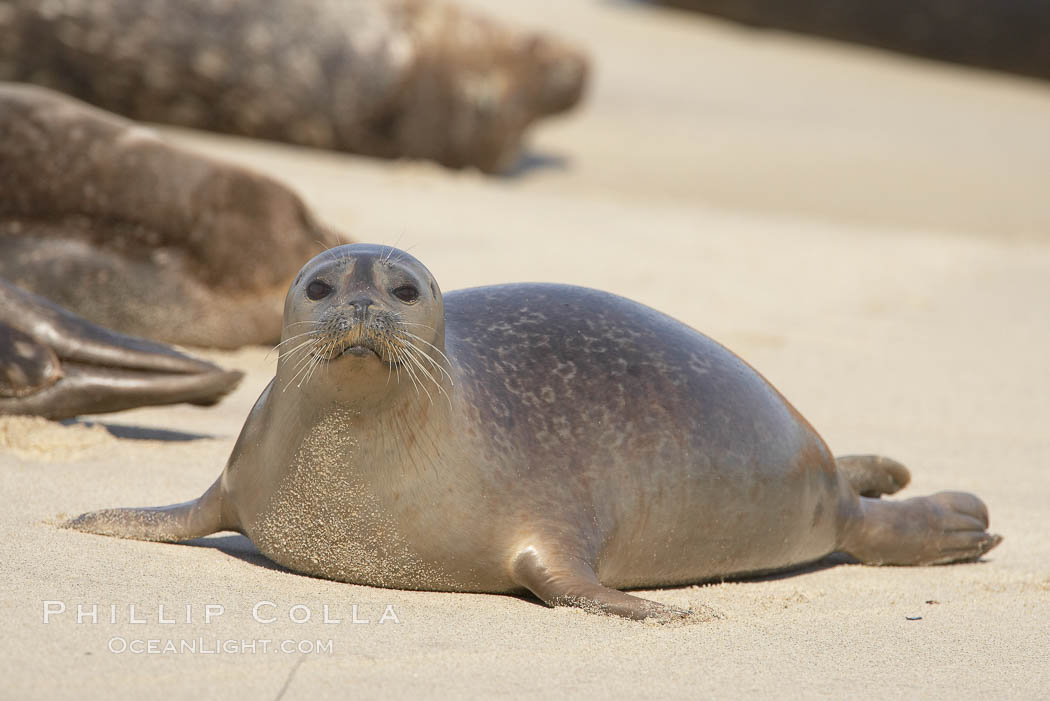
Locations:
{"points": [[389, 78], [57, 365], [106, 220], [534, 437]]}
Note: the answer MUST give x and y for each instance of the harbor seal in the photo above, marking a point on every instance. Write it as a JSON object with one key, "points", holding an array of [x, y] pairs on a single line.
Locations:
{"points": [[105, 219], [56, 365], [538, 437], [386, 78]]}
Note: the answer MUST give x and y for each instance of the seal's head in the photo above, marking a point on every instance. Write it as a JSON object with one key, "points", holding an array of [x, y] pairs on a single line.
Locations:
{"points": [[366, 311]]}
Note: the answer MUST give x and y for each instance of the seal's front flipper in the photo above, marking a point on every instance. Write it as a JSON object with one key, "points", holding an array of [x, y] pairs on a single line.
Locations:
{"points": [[168, 524], [873, 475], [58, 365], [573, 583], [936, 530]]}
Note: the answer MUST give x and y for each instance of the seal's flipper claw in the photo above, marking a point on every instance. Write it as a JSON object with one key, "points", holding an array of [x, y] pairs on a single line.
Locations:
{"points": [[58, 365], [575, 584], [167, 524], [873, 475]]}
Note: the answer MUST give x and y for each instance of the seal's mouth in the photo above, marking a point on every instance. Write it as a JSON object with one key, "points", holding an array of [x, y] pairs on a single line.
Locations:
{"points": [[379, 335], [361, 348], [349, 336]]}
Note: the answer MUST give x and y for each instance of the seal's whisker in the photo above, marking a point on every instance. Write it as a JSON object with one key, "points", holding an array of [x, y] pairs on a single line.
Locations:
{"points": [[425, 355], [408, 371], [398, 362], [298, 335], [293, 339], [310, 353], [433, 363], [415, 378], [312, 332], [327, 369], [419, 353], [291, 382], [397, 369], [411, 352], [312, 365], [309, 369], [412, 323], [305, 363], [301, 368], [306, 349], [323, 354]]}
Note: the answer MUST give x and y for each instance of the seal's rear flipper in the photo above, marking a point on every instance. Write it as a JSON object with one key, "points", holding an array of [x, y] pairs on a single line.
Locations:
{"points": [[873, 475], [58, 365], [574, 583], [26, 366], [86, 389], [168, 524], [936, 530]]}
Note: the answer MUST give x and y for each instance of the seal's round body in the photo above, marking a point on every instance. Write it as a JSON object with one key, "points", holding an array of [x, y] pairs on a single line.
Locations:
{"points": [[388, 78], [546, 437], [105, 219]]}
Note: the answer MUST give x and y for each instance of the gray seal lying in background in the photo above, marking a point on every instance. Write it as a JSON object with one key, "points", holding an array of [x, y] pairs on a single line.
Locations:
{"points": [[387, 78], [547, 438], [103, 218], [57, 365]]}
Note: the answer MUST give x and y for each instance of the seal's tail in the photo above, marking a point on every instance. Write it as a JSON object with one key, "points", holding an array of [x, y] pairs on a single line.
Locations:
{"points": [[169, 524], [873, 475]]}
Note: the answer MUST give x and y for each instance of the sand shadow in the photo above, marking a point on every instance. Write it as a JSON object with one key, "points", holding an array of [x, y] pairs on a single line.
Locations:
{"points": [[141, 433], [238, 546], [533, 161], [825, 563]]}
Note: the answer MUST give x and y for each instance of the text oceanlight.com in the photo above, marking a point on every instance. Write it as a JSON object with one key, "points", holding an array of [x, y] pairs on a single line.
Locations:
{"points": [[217, 646]]}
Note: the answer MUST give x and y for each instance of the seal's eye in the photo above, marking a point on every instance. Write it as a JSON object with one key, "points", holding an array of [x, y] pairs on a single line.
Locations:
{"points": [[318, 289], [406, 293]]}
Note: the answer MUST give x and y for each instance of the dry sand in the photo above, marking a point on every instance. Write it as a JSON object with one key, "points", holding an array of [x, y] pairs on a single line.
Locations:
{"points": [[870, 231]]}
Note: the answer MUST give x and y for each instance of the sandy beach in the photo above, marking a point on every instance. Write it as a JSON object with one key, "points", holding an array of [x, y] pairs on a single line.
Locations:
{"points": [[871, 232]]}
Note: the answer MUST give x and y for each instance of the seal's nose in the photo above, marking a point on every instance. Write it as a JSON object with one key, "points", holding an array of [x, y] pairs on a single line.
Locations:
{"points": [[361, 303]]}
